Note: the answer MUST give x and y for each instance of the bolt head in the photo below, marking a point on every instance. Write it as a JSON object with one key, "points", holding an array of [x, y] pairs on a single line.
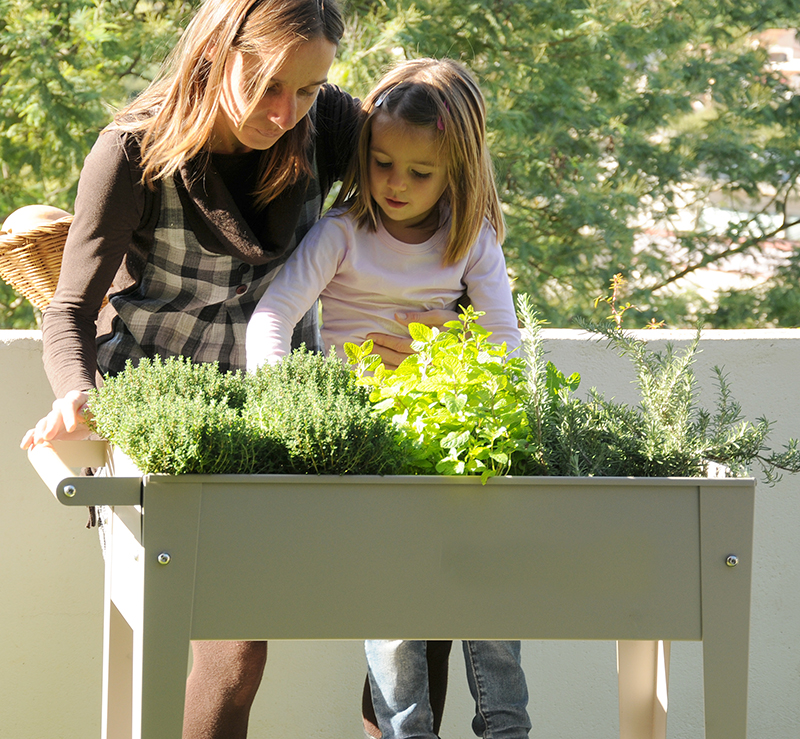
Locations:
{"points": [[732, 560], [69, 491], [164, 558]]}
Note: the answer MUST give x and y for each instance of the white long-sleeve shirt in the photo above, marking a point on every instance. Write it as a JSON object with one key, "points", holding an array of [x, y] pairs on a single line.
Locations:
{"points": [[364, 277]]}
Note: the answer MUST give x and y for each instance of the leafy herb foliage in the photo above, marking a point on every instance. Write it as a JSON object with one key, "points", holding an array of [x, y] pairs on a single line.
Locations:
{"points": [[667, 435], [319, 420], [460, 405], [305, 415], [471, 408], [459, 399]]}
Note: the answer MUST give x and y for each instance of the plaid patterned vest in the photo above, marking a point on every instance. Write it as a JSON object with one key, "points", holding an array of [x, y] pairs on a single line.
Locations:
{"points": [[193, 302]]}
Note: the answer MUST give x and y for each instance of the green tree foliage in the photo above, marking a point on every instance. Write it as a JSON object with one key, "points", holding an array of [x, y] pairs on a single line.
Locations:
{"points": [[65, 66], [611, 121]]}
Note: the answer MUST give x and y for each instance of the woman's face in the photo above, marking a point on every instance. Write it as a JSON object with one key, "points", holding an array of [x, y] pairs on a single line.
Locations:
{"points": [[289, 96]]}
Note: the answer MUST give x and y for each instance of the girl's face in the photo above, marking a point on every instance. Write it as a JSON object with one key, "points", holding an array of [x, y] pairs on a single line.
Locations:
{"points": [[291, 93], [407, 177]]}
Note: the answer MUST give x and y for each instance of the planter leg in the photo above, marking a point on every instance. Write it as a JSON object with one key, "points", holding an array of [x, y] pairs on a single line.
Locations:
{"points": [[122, 632], [726, 611], [169, 571], [117, 675], [643, 669]]}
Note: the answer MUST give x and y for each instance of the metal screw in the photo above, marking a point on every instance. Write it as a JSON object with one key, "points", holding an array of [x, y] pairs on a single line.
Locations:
{"points": [[69, 491], [731, 560], [164, 558]]}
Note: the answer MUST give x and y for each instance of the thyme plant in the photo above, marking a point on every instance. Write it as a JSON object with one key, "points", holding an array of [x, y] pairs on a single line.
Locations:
{"points": [[174, 416], [319, 421], [304, 415]]}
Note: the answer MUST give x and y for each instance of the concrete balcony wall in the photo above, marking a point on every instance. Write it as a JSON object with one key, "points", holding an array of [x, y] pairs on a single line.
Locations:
{"points": [[52, 576]]}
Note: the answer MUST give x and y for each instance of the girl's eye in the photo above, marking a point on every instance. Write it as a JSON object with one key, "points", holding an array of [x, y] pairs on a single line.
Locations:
{"points": [[421, 175], [382, 165], [308, 93]]}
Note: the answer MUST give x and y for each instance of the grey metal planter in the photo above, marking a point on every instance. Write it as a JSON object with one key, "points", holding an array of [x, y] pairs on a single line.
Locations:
{"points": [[296, 557]]}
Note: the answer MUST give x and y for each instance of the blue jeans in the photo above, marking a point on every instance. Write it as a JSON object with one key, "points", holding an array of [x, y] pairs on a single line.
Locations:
{"points": [[398, 678]]}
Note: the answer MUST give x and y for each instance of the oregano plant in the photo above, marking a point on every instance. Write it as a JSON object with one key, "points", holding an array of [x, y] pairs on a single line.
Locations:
{"points": [[459, 398]]}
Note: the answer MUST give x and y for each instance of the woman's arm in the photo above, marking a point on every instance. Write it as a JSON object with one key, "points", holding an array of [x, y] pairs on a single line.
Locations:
{"points": [[338, 122], [65, 421], [108, 210]]}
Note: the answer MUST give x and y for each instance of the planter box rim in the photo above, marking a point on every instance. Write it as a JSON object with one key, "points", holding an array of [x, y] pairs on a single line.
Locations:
{"points": [[469, 480]]}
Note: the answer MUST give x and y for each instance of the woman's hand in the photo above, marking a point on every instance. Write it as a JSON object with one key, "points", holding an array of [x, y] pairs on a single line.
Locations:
{"points": [[65, 421], [393, 349]]}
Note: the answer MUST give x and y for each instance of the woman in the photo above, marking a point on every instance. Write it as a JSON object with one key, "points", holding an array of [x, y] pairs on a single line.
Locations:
{"points": [[188, 203]]}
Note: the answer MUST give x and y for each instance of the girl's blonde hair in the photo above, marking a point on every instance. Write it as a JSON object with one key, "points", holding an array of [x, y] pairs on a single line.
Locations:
{"points": [[443, 95], [175, 115]]}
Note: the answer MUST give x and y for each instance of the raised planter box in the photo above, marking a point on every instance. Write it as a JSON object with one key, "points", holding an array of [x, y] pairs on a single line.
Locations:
{"points": [[298, 557]]}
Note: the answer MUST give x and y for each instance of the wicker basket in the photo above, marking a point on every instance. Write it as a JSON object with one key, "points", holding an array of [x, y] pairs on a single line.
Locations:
{"points": [[31, 261]]}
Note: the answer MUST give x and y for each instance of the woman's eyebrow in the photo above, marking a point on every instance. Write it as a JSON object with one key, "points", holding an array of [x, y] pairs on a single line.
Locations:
{"points": [[308, 84]]}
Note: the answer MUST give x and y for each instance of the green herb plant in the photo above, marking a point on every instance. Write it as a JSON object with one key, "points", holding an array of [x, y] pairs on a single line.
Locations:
{"points": [[459, 399], [320, 421], [667, 434], [304, 416], [460, 405], [175, 416]]}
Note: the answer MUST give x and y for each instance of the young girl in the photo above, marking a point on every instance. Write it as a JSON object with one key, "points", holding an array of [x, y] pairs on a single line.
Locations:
{"points": [[417, 224]]}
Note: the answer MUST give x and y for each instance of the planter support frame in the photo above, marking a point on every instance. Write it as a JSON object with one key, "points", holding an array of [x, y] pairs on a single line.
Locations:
{"points": [[626, 559]]}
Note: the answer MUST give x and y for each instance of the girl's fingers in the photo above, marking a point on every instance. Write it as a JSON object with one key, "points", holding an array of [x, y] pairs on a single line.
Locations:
{"points": [[391, 349]]}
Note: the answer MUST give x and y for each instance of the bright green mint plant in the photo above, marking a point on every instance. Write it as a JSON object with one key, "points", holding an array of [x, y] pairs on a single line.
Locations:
{"points": [[459, 399]]}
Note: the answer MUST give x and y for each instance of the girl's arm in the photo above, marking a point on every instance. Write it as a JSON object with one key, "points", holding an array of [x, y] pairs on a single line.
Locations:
{"points": [[309, 269], [489, 289], [393, 349]]}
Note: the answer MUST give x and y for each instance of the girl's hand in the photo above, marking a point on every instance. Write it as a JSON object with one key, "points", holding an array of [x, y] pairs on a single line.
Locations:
{"points": [[65, 421], [394, 349]]}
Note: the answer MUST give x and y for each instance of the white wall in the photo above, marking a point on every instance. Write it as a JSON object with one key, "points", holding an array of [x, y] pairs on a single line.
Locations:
{"points": [[51, 598], [51, 603]]}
